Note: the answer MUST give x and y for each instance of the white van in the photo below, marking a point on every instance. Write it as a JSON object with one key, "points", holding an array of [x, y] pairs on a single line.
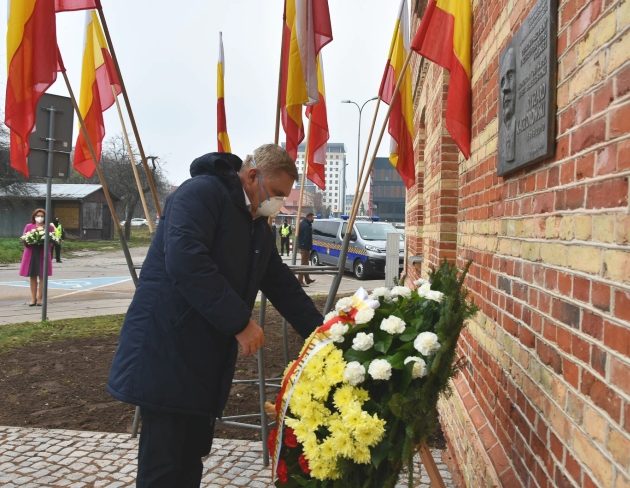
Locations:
{"points": [[366, 253]]}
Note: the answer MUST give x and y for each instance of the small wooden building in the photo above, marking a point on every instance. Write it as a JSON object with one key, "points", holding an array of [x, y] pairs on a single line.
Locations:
{"points": [[81, 209]]}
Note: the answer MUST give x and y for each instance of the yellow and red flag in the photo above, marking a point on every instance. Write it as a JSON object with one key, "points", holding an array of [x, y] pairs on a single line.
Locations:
{"points": [[222, 135], [97, 79], [32, 67], [306, 30], [401, 114], [318, 133], [445, 37], [67, 5]]}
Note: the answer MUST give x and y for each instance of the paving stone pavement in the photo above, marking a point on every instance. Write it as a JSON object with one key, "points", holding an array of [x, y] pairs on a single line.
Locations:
{"points": [[75, 459]]}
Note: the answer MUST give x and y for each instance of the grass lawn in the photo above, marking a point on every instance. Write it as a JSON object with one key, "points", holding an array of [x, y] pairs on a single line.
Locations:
{"points": [[11, 247], [18, 335]]}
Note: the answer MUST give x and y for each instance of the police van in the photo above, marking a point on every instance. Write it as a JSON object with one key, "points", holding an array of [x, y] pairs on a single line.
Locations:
{"points": [[366, 253]]}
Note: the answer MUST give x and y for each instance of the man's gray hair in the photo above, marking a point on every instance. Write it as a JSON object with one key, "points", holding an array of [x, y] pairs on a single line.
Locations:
{"points": [[271, 159]]}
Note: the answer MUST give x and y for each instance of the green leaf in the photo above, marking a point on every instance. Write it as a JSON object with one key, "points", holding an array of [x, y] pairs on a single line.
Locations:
{"points": [[379, 452], [396, 403], [383, 341], [398, 359], [409, 335], [360, 356]]}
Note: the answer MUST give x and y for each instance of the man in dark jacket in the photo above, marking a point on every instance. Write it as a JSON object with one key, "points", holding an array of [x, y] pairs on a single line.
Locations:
{"points": [[211, 254], [305, 245]]}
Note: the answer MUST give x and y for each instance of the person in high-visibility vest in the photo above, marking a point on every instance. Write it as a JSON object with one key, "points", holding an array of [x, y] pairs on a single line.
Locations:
{"points": [[285, 236], [60, 232]]}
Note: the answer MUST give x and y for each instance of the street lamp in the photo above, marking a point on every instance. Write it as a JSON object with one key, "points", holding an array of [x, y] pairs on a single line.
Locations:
{"points": [[360, 107]]}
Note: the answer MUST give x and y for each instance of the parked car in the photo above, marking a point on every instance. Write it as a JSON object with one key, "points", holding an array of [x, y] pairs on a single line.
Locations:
{"points": [[366, 254], [136, 222]]}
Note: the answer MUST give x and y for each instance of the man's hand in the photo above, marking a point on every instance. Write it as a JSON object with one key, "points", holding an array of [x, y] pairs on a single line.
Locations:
{"points": [[251, 338]]}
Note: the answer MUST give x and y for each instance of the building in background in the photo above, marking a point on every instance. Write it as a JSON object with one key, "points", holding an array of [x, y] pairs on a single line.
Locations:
{"points": [[387, 192], [333, 196], [81, 208]]}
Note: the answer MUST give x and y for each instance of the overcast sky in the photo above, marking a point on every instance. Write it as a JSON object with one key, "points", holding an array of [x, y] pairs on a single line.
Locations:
{"points": [[168, 53]]}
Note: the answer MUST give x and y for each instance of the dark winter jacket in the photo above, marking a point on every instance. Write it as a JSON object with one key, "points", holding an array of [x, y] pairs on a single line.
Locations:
{"points": [[197, 288], [305, 236]]}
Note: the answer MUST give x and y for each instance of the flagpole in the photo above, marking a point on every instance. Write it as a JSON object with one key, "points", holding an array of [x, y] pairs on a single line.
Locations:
{"points": [[132, 160], [101, 177], [276, 138], [134, 126], [303, 181], [334, 287]]}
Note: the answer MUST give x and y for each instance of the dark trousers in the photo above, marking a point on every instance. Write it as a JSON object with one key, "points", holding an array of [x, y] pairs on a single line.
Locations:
{"points": [[171, 448], [284, 242], [58, 253]]}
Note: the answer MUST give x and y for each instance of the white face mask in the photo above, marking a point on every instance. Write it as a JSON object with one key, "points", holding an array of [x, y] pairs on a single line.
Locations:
{"points": [[271, 206], [39, 220]]}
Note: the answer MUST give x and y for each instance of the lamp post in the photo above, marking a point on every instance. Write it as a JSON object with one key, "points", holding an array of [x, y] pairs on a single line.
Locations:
{"points": [[360, 107]]}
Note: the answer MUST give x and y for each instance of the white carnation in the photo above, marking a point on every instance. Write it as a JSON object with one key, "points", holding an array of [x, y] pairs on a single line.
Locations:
{"points": [[419, 366], [425, 291], [363, 341], [401, 291], [381, 291], [421, 281], [380, 369], [337, 331], [344, 304], [435, 295], [364, 315], [393, 325], [354, 373], [426, 343]]}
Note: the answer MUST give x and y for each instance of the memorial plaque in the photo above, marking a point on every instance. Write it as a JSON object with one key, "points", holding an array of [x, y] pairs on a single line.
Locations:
{"points": [[527, 91]]}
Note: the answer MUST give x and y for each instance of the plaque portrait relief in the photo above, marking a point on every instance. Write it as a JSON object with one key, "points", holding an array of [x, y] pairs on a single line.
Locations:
{"points": [[508, 105], [527, 91]]}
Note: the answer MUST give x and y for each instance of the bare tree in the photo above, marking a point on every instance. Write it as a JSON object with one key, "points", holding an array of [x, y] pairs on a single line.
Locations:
{"points": [[121, 181], [10, 180]]}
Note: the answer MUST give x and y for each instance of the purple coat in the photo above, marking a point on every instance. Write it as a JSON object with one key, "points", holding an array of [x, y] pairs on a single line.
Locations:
{"points": [[28, 252]]}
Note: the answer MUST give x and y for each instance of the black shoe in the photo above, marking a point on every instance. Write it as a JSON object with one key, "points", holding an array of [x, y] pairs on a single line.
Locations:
{"points": [[32, 304]]}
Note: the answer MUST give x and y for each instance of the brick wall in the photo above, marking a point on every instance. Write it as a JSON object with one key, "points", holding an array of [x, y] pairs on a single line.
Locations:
{"points": [[545, 397]]}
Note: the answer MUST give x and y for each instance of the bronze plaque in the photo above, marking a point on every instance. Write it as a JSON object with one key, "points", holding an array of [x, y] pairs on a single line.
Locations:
{"points": [[527, 91]]}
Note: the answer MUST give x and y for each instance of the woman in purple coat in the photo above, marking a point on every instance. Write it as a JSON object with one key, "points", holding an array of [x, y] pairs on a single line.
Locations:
{"points": [[32, 264]]}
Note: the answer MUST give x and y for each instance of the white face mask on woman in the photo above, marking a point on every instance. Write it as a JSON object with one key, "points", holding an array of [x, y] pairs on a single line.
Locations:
{"points": [[39, 220]]}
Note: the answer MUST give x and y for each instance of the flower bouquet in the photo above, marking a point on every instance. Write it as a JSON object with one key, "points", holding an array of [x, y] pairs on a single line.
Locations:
{"points": [[36, 237], [362, 394]]}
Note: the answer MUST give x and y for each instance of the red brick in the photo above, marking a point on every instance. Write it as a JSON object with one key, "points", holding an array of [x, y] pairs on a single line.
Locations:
{"points": [[567, 173], [606, 161], [603, 97], [619, 121], [526, 336], [570, 199], [588, 134], [573, 467], [581, 289], [556, 446], [622, 82], [623, 155], [622, 305], [570, 372], [598, 359], [564, 284], [620, 374], [561, 480], [601, 395], [580, 349], [626, 417], [617, 338], [584, 166], [608, 193], [600, 295], [566, 312], [592, 324], [563, 339]]}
